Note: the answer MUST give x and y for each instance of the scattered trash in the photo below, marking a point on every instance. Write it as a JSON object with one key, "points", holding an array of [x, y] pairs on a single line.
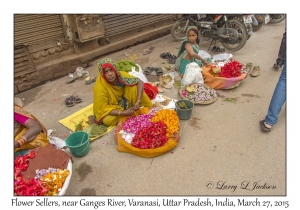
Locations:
{"points": [[80, 72], [232, 100]]}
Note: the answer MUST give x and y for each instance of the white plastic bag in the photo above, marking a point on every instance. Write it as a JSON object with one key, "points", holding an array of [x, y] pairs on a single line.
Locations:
{"points": [[138, 74], [204, 54], [192, 74], [224, 56]]}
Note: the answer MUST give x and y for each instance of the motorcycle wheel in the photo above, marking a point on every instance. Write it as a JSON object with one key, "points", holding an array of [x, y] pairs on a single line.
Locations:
{"points": [[178, 32], [256, 28], [240, 27], [249, 26], [278, 20]]}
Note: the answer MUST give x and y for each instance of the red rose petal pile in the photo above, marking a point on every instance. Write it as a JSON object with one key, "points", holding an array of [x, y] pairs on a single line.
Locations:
{"points": [[151, 137], [231, 69], [21, 186]]}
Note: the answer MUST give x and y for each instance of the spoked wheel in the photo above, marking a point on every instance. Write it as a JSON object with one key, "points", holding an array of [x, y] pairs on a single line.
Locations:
{"points": [[241, 33], [178, 30], [277, 18]]}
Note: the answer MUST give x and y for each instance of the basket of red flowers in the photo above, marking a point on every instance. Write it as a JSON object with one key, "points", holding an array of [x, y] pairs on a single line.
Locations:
{"points": [[149, 133], [228, 76]]}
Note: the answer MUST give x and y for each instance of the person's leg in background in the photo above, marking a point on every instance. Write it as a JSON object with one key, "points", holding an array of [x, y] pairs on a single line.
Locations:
{"points": [[282, 53], [277, 101]]}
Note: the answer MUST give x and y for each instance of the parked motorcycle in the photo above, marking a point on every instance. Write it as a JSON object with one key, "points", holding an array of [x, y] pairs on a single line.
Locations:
{"points": [[247, 20], [231, 33], [277, 18], [268, 19]]}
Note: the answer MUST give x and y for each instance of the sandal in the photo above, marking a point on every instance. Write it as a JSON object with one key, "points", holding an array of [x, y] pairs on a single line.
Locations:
{"points": [[159, 71], [172, 60], [69, 102], [255, 71], [73, 79], [165, 55], [75, 99], [263, 127], [90, 81], [249, 66], [147, 52], [216, 49], [149, 70]]}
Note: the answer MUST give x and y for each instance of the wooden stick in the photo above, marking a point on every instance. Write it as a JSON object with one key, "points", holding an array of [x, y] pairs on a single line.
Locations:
{"points": [[82, 138]]}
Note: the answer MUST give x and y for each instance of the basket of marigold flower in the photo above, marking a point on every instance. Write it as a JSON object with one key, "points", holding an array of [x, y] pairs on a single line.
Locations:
{"points": [[149, 133]]}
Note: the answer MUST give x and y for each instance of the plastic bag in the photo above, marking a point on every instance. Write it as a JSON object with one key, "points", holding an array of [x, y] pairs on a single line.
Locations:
{"points": [[204, 54], [192, 74], [138, 74], [224, 57]]}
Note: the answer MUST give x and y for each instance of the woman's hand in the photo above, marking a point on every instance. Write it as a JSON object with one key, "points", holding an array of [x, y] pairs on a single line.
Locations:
{"points": [[205, 62], [128, 112], [16, 145], [137, 105]]}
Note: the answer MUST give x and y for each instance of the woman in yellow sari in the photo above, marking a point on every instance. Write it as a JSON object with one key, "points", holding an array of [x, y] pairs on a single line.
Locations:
{"points": [[116, 93], [29, 132]]}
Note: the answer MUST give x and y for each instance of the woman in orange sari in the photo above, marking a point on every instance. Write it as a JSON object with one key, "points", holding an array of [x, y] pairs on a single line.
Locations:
{"points": [[116, 94], [29, 132]]}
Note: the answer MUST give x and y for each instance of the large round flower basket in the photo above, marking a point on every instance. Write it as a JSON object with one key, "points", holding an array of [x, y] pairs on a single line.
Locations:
{"points": [[124, 146]]}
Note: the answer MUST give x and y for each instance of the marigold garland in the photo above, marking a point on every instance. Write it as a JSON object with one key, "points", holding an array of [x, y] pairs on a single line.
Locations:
{"points": [[169, 117], [54, 181]]}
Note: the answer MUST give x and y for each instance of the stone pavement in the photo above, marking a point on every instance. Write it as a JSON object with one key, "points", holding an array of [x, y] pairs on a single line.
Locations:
{"points": [[221, 151]]}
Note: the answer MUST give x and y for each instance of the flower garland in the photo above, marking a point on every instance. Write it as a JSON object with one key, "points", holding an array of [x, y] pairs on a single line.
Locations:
{"points": [[152, 130], [151, 137], [54, 181], [230, 69], [201, 93], [169, 117], [136, 123]]}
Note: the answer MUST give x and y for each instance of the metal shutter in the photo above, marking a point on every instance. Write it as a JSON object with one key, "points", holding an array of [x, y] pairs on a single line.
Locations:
{"points": [[121, 23], [22, 62], [34, 29]]}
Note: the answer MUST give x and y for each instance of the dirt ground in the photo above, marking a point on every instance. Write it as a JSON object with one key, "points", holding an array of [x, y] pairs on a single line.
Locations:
{"points": [[221, 150]]}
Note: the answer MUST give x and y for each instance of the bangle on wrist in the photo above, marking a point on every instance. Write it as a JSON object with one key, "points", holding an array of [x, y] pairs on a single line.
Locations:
{"points": [[119, 112], [24, 138], [139, 101], [20, 142]]}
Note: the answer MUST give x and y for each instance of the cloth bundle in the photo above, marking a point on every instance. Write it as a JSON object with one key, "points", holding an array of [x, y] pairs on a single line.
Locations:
{"points": [[220, 82], [150, 90]]}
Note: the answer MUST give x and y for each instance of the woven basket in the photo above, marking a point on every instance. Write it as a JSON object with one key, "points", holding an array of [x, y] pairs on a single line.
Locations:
{"points": [[233, 86], [201, 103], [123, 146]]}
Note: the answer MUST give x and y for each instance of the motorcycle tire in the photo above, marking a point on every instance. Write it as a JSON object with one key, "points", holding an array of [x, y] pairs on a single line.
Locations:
{"points": [[256, 28], [281, 18], [250, 28], [240, 27], [177, 31]]}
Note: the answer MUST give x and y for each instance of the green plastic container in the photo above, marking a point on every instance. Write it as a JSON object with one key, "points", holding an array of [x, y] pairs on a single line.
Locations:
{"points": [[79, 143], [184, 114]]}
